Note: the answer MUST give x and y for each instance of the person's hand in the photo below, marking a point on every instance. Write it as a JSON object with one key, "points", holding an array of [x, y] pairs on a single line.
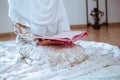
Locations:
{"points": [[22, 29]]}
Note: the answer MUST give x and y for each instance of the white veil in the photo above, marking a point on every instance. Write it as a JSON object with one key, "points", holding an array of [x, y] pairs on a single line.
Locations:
{"points": [[39, 15]]}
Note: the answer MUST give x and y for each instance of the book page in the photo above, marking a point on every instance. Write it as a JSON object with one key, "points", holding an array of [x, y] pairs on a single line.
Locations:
{"points": [[68, 34]]}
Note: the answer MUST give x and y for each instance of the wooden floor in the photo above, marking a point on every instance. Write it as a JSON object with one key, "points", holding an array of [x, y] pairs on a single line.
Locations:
{"points": [[109, 35], [7, 36]]}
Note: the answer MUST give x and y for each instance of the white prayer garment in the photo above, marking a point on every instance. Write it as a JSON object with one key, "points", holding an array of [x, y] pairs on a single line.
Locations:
{"points": [[44, 17]]}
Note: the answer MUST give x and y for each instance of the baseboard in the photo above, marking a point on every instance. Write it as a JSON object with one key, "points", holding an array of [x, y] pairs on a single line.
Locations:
{"points": [[114, 24], [73, 27], [80, 26], [9, 34]]}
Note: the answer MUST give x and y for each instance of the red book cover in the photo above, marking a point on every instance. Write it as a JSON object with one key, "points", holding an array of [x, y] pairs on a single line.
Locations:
{"points": [[68, 37]]}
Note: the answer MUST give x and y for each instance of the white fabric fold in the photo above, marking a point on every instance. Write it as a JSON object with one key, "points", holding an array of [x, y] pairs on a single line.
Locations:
{"points": [[39, 15]]}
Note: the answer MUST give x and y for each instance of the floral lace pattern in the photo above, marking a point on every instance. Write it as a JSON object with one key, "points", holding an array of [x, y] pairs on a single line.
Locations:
{"points": [[102, 58]]}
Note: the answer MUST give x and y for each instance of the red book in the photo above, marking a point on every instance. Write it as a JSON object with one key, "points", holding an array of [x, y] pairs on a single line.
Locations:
{"points": [[65, 38]]}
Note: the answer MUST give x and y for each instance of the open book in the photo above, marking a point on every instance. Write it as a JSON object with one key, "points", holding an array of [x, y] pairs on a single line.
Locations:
{"points": [[68, 37]]}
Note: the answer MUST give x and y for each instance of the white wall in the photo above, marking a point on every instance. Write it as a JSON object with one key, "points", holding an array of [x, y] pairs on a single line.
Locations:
{"points": [[5, 23], [76, 10], [114, 10]]}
